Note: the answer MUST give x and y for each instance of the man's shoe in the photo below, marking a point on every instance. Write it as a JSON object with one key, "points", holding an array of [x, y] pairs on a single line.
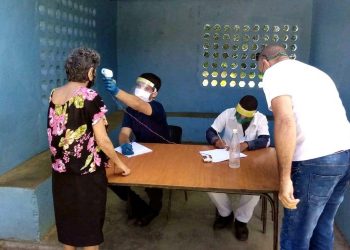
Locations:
{"points": [[241, 230], [222, 222], [146, 219]]}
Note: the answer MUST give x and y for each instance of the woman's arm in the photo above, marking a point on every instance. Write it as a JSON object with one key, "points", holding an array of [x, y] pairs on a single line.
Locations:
{"points": [[107, 147]]}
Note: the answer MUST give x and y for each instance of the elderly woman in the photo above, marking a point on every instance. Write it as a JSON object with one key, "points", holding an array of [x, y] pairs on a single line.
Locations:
{"points": [[80, 148]]}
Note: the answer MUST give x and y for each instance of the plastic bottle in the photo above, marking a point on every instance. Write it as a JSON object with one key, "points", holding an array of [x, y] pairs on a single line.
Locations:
{"points": [[234, 157]]}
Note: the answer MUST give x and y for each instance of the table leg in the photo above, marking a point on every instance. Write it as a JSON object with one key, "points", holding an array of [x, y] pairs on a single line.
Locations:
{"points": [[275, 221], [263, 212], [274, 205], [169, 204]]}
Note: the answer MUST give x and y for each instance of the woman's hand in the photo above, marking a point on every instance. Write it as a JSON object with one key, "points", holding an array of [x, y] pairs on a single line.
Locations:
{"points": [[121, 168]]}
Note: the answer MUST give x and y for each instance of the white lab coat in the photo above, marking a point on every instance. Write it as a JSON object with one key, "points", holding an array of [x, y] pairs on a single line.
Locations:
{"points": [[225, 122]]}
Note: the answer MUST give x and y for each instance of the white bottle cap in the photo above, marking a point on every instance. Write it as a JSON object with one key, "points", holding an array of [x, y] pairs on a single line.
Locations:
{"points": [[107, 73]]}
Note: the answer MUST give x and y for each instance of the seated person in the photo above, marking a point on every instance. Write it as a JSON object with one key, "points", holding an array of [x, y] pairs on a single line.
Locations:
{"points": [[143, 113], [254, 134]]}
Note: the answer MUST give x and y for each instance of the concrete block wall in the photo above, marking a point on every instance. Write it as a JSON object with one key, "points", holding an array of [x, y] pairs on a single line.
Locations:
{"points": [[135, 37], [331, 26], [36, 37]]}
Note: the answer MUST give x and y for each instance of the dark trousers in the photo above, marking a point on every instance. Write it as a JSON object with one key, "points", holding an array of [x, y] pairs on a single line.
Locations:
{"points": [[137, 206]]}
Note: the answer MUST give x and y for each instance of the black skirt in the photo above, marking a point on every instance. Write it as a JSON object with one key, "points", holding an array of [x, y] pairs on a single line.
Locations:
{"points": [[80, 206]]}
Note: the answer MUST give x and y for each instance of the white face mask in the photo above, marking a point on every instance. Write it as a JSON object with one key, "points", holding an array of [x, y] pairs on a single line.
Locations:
{"points": [[143, 94]]}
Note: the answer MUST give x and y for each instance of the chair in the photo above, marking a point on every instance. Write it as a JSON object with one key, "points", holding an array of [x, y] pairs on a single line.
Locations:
{"points": [[175, 135]]}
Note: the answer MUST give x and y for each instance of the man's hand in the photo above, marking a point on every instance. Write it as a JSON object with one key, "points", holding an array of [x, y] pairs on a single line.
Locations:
{"points": [[111, 86], [220, 144], [243, 146], [127, 149], [286, 194]]}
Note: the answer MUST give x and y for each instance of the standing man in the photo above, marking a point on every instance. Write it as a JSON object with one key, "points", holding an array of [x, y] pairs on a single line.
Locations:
{"points": [[312, 138], [145, 118], [254, 134]]}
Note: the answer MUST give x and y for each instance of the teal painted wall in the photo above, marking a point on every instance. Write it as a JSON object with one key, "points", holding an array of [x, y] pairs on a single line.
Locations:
{"points": [[330, 47], [43, 194], [166, 37], [19, 215], [26, 214], [36, 36], [22, 122]]}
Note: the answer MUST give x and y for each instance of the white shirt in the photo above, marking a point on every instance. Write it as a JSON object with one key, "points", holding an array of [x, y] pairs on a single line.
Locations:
{"points": [[321, 122], [227, 121]]}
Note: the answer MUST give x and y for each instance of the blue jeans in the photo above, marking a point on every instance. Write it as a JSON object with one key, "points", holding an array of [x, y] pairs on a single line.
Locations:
{"points": [[320, 185]]}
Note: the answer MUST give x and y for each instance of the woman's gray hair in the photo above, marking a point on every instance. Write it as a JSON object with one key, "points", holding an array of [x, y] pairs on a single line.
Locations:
{"points": [[78, 63]]}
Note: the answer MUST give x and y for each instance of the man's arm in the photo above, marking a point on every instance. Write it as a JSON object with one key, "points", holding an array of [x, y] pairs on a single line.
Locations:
{"points": [[212, 133], [285, 140], [214, 139], [211, 136], [262, 141], [124, 135], [130, 100], [134, 102]]}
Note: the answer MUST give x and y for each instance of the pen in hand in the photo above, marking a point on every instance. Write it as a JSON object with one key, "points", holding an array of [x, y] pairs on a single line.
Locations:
{"points": [[222, 143]]}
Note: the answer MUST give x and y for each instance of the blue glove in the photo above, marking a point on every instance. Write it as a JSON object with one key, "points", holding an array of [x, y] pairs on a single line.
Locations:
{"points": [[127, 149], [111, 85]]}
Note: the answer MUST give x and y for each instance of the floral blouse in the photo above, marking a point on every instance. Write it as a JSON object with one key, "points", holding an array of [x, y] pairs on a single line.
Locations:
{"points": [[70, 134]]}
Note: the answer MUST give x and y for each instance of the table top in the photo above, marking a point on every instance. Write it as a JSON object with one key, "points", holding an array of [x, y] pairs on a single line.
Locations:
{"points": [[180, 166]]}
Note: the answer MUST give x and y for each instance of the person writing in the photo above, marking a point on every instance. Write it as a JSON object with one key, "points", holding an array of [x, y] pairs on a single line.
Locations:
{"points": [[80, 148], [145, 118], [254, 134], [312, 138]]}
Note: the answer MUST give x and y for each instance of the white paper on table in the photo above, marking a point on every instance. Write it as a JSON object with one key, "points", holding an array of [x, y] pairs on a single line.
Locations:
{"points": [[219, 155], [138, 149]]}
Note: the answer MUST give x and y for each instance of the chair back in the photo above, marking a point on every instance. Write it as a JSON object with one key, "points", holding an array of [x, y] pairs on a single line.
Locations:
{"points": [[175, 133]]}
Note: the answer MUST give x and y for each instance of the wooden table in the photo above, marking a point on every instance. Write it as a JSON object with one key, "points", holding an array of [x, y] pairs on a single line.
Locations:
{"points": [[180, 166]]}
